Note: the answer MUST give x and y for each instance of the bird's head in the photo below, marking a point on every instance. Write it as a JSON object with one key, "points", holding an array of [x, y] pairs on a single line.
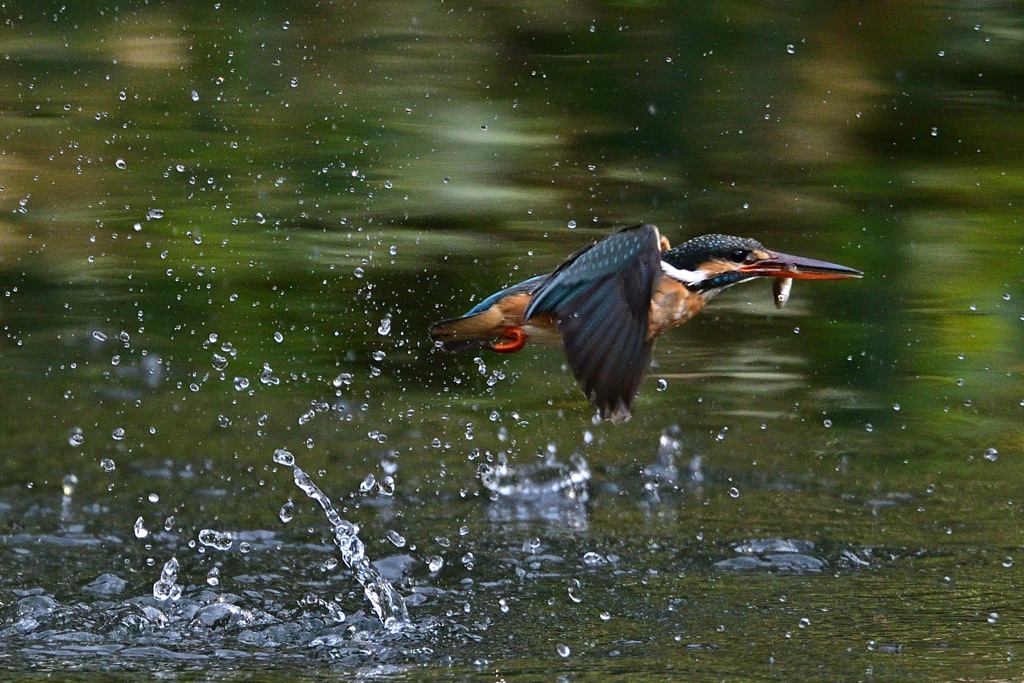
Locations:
{"points": [[710, 263]]}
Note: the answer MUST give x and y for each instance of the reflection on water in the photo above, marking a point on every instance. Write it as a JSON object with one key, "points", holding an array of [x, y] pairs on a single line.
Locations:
{"points": [[226, 229]]}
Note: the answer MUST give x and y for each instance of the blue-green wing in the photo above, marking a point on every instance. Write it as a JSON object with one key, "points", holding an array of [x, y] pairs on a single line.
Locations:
{"points": [[524, 287], [601, 297]]}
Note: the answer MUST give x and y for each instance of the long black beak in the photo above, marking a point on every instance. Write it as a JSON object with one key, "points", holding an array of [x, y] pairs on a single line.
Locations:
{"points": [[798, 268]]}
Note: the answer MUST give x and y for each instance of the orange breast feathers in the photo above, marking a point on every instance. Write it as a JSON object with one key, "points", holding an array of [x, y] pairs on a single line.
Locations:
{"points": [[672, 304]]}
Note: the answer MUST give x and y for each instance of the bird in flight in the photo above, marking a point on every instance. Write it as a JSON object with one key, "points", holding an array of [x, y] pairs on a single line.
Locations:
{"points": [[608, 302]]}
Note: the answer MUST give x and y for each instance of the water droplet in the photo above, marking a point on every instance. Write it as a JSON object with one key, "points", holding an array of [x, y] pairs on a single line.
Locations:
{"points": [[605, 616], [107, 464], [213, 577], [99, 336], [165, 587], [140, 528], [278, 337], [993, 617], [120, 163], [563, 650], [283, 457], [434, 563], [75, 436], [68, 484], [869, 427], [804, 622], [384, 329], [387, 184], [285, 514], [896, 406], [215, 539], [662, 384], [396, 538], [154, 214], [935, 132], [828, 424], [1008, 562], [734, 492], [571, 225], [575, 591], [991, 454], [153, 498], [791, 48], [195, 96], [241, 383]]}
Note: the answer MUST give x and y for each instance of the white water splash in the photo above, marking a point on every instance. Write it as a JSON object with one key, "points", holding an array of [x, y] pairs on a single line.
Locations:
{"points": [[387, 603]]}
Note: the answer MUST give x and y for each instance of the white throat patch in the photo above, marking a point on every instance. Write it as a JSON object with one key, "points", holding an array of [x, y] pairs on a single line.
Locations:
{"points": [[687, 277]]}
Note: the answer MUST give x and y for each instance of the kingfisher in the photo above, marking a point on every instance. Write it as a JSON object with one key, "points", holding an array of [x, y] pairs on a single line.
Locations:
{"points": [[609, 301]]}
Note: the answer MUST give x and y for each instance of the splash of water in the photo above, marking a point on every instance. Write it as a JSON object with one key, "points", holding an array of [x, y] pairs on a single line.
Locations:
{"points": [[387, 603], [547, 479], [166, 586]]}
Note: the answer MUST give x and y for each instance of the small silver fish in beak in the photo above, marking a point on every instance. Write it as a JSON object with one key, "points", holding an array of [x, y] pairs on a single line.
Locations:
{"points": [[781, 287]]}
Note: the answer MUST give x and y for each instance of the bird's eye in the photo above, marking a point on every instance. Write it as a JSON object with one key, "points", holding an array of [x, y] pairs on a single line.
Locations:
{"points": [[738, 255]]}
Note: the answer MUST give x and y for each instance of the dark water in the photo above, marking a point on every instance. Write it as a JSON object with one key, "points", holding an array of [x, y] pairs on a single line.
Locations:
{"points": [[225, 230]]}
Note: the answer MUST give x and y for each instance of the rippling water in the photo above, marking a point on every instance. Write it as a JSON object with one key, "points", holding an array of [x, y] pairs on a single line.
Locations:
{"points": [[226, 229]]}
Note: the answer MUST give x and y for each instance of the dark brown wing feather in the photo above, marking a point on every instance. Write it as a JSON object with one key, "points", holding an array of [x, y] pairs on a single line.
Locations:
{"points": [[603, 302]]}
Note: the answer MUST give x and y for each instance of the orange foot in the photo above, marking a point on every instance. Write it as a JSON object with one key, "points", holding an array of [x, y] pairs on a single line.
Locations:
{"points": [[515, 340]]}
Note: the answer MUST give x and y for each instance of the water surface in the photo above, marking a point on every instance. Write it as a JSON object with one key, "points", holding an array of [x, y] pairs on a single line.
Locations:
{"points": [[226, 229]]}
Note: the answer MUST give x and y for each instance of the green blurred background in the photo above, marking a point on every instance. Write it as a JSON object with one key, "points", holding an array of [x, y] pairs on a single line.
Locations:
{"points": [[299, 189]]}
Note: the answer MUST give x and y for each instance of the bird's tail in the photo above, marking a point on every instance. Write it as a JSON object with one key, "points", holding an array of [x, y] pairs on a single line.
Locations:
{"points": [[466, 333]]}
